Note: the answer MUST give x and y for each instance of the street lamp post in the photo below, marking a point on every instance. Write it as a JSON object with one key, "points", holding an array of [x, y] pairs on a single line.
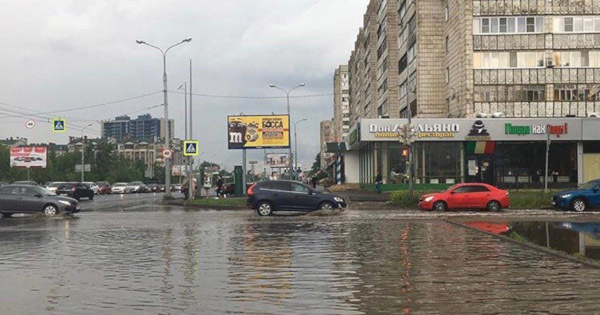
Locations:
{"points": [[296, 148], [83, 153], [287, 93], [166, 105]]}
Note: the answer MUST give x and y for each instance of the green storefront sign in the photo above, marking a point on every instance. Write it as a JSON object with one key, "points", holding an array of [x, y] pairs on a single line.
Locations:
{"points": [[510, 129]]}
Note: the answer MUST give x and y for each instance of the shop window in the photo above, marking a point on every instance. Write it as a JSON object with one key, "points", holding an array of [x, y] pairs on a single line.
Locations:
{"points": [[437, 162]]}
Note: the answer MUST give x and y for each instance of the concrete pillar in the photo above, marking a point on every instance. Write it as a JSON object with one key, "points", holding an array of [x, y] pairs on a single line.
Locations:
{"points": [[580, 169]]}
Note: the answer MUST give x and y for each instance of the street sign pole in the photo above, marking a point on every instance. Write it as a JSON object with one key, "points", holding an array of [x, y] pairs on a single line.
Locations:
{"points": [[547, 154]]}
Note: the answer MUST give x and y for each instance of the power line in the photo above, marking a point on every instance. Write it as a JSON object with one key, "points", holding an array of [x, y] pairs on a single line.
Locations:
{"points": [[254, 97]]}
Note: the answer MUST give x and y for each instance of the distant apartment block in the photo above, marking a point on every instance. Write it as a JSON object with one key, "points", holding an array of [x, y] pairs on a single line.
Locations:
{"points": [[144, 128]]}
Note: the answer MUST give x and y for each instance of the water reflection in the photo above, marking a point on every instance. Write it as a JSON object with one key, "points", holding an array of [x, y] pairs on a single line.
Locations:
{"points": [[574, 238], [226, 262]]}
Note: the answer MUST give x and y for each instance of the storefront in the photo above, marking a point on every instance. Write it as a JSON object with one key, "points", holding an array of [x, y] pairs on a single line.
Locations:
{"points": [[504, 152]]}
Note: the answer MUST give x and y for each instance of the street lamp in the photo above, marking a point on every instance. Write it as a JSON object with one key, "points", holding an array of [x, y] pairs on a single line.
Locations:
{"points": [[83, 153], [166, 104], [296, 147], [287, 93]]}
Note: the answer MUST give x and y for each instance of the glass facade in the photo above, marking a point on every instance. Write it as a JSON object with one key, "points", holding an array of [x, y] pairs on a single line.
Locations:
{"points": [[437, 162]]}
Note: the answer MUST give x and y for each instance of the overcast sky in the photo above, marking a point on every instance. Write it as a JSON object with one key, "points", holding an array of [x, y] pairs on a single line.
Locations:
{"points": [[68, 54]]}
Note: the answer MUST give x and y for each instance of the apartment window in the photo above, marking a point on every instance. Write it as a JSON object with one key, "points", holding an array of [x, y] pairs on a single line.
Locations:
{"points": [[539, 24], [447, 74], [510, 25], [382, 48], [576, 92], [530, 25], [403, 89], [568, 59], [411, 54], [477, 26], [402, 63], [521, 25], [402, 10], [503, 25], [446, 12], [493, 25], [568, 22], [447, 40], [502, 60], [509, 93], [412, 24], [485, 25]]}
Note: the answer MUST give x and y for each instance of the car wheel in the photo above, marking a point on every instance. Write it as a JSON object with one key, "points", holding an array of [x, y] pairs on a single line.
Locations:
{"points": [[50, 210], [92, 197], [440, 206], [264, 209], [6, 214], [578, 205], [326, 206], [494, 206]]}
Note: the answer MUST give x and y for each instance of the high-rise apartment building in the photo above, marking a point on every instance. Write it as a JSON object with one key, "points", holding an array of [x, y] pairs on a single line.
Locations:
{"points": [[144, 128], [341, 103], [326, 136]]}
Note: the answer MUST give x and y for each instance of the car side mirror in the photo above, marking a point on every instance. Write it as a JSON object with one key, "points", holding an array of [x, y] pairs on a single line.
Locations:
{"points": [[310, 192], [452, 192], [38, 195]]}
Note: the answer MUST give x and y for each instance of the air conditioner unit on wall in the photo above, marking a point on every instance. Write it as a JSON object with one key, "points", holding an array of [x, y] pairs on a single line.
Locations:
{"points": [[594, 114]]}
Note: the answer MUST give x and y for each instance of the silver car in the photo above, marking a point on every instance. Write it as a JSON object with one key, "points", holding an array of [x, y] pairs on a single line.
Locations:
{"points": [[32, 199]]}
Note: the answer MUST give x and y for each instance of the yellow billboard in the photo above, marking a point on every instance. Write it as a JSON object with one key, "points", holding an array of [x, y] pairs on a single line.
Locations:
{"points": [[258, 132]]}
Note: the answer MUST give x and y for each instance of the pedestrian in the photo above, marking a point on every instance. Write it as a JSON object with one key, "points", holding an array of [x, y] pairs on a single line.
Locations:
{"points": [[219, 186], [314, 182], [378, 182]]}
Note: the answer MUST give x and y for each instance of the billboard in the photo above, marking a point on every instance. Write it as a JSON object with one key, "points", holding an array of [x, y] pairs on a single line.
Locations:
{"points": [[278, 160], [28, 157], [179, 170], [258, 132]]}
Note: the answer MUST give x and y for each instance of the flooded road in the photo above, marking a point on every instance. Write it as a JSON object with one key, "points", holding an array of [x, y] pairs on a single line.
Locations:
{"points": [[174, 261]]}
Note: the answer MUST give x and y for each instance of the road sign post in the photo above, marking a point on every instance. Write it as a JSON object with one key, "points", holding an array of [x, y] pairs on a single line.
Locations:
{"points": [[190, 148], [59, 125]]}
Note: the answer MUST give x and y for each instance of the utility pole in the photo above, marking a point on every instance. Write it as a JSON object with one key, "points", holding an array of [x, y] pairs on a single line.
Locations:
{"points": [[547, 154], [166, 105], [191, 158], [296, 148], [83, 153]]}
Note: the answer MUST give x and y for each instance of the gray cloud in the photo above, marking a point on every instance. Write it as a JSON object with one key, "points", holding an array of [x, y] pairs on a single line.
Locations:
{"points": [[63, 54]]}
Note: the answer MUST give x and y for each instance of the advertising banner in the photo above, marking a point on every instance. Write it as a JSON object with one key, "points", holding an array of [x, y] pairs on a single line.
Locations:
{"points": [[28, 157], [278, 160], [179, 170], [258, 132]]}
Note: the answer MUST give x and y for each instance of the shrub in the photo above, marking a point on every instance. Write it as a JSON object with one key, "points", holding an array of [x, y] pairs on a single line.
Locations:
{"points": [[404, 199]]}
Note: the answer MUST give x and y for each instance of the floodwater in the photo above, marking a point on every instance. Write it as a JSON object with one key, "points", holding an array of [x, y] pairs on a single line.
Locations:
{"points": [[171, 262]]}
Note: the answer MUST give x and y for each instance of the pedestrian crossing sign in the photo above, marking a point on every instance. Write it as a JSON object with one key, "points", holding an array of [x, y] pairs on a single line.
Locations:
{"points": [[190, 148], [59, 125]]}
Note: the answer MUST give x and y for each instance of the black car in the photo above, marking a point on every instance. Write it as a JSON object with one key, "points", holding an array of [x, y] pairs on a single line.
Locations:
{"points": [[153, 188], [268, 196], [30, 199], [75, 190]]}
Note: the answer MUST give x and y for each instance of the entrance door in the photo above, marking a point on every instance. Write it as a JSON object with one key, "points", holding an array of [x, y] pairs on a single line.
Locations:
{"points": [[480, 168]]}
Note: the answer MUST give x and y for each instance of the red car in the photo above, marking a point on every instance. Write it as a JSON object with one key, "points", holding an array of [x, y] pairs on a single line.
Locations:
{"points": [[467, 196]]}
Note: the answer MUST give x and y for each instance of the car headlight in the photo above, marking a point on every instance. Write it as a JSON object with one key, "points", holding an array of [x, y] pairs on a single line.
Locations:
{"points": [[565, 196], [338, 199], [64, 202], [428, 199]]}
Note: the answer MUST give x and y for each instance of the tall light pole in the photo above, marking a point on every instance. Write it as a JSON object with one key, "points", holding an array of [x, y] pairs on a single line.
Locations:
{"points": [[296, 148], [287, 93], [166, 104], [83, 153]]}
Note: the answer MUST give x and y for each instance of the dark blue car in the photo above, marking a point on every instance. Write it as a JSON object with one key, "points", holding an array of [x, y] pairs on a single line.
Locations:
{"points": [[268, 196], [585, 197]]}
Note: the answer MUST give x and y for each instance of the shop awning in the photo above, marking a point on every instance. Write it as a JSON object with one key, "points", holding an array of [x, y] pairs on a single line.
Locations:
{"points": [[480, 147]]}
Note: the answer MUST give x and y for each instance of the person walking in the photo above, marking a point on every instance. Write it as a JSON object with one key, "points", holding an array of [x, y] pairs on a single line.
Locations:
{"points": [[378, 182], [314, 182], [219, 186]]}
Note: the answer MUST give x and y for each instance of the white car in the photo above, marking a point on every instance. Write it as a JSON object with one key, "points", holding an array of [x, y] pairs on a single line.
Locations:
{"points": [[120, 188], [93, 186], [135, 187], [53, 186]]}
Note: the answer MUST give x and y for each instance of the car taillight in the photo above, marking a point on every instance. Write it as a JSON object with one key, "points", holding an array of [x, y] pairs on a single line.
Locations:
{"points": [[250, 190], [73, 189]]}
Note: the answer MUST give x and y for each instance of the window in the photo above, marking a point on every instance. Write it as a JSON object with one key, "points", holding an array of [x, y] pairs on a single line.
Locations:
{"points": [[539, 24], [521, 24], [446, 13], [402, 10], [503, 27], [412, 24], [402, 63], [567, 59], [578, 25], [509, 93], [411, 54], [530, 25], [30, 192], [485, 25], [447, 40], [493, 25], [300, 188], [510, 28], [382, 48], [568, 24], [502, 60], [447, 74], [403, 89]]}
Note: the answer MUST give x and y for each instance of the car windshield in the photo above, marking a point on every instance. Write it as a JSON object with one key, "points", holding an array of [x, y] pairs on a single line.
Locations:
{"points": [[120, 184], [588, 185], [136, 183]]}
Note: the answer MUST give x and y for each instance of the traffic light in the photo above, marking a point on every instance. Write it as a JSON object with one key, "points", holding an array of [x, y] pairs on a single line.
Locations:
{"points": [[405, 153]]}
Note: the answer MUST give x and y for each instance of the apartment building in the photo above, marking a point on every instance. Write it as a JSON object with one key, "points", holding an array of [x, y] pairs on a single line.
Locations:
{"points": [[144, 128], [341, 103], [326, 135], [464, 67]]}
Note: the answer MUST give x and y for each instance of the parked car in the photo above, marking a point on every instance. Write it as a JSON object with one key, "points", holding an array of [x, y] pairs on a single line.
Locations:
{"points": [[2, 184], [584, 197], [228, 189], [268, 196], [25, 182], [467, 196], [93, 186], [175, 187], [53, 186], [75, 190], [104, 188], [161, 187], [119, 188], [30, 199], [137, 187], [153, 188]]}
